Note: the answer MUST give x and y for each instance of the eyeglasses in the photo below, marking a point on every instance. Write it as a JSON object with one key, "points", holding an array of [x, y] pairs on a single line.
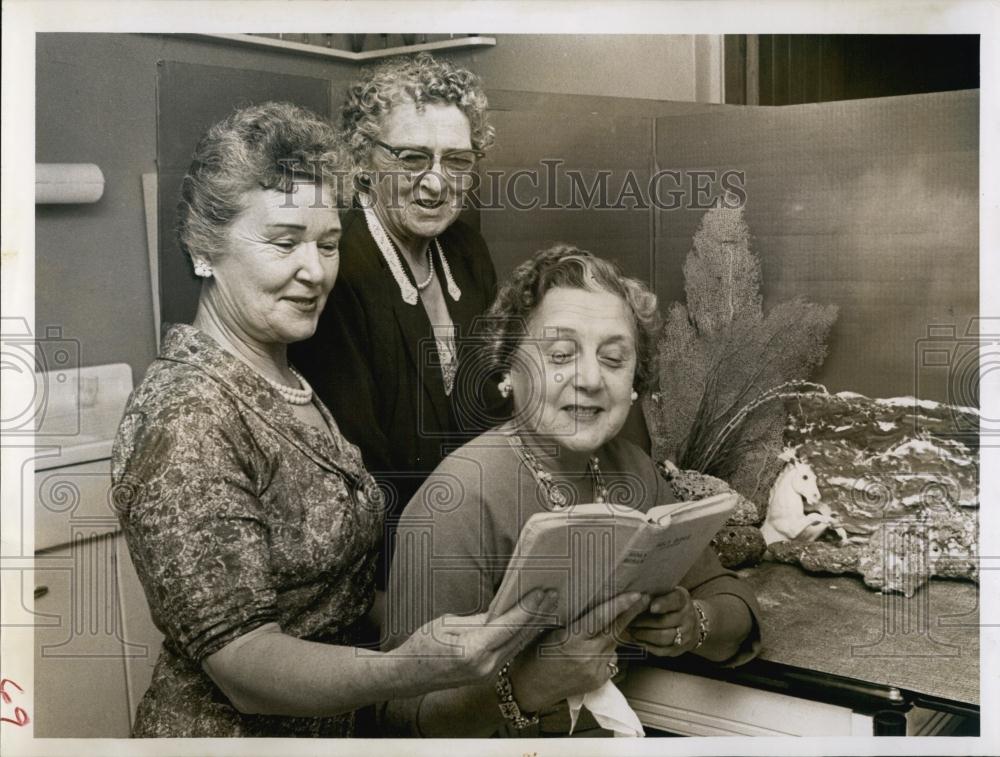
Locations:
{"points": [[416, 160]]}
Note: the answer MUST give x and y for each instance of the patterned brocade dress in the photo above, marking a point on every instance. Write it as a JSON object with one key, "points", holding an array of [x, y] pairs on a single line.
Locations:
{"points": [[237, 515]]}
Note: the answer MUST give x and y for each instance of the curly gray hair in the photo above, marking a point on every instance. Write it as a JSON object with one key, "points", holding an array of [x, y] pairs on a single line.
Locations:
{"points": [[567, 266], [273, 145], [421, 79]]}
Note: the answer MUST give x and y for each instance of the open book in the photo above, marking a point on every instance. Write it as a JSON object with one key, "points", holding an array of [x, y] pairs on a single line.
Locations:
{"points": [[590, 553]]}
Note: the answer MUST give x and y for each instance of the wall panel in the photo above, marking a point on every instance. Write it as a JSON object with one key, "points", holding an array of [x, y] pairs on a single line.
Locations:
{"points": [[871, 205]]}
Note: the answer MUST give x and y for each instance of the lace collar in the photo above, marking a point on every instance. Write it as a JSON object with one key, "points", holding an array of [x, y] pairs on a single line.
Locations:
{"points": [[407, 290]]}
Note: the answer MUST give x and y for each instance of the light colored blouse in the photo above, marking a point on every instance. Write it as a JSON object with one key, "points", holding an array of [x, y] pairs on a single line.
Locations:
{"points": [[459, 531]]}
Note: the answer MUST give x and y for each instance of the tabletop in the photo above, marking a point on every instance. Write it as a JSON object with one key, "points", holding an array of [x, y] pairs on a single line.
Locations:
{"points": [[927, 644]]}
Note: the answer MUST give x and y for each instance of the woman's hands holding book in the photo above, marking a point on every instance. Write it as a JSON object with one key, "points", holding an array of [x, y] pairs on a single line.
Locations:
{"points": [[577, 659], [669, 627], [455, 650]]}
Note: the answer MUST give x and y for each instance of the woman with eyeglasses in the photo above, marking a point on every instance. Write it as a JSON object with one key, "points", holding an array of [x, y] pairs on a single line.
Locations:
{"points": [[392, 357]]}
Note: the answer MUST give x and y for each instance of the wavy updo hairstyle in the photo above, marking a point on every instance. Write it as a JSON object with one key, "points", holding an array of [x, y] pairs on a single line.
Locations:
{"points": [[273, 145], [421, 79], [567, 266]]}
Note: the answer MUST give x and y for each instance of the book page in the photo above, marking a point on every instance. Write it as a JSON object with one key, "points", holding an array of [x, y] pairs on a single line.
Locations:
{"points": [[665, 550], [590, 553], [697, 508], [574, 552]]}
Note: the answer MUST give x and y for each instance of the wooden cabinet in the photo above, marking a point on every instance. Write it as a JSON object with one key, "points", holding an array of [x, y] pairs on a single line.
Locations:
{"points": [[73, 502], [79, 669], [95, 644]]}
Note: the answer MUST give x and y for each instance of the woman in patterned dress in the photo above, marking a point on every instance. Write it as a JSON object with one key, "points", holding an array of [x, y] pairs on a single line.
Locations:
{"points": [[252, 523]]}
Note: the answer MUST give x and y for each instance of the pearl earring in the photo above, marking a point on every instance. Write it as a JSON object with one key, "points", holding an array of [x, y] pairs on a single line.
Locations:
{"points": [[635, 396], [505, 386], [202, 269]]}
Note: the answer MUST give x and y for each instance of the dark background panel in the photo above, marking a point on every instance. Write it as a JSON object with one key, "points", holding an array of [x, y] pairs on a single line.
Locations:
{"points": [[878, 193], [582, 140], [190, 98], [884, 223], [597, 145], [563, 103], [585, 134], [789, 69], [626, 252], [903, 125]]}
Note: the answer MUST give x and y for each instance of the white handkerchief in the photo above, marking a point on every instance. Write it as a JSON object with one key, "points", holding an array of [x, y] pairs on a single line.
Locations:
{"points": [[610, 709]]}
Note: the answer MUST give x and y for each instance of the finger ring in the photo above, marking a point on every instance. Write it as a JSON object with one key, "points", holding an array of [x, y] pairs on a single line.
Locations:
{"points": [[678, 637], [612, 669]]}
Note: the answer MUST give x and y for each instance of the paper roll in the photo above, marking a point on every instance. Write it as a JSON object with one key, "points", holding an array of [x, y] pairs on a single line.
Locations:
{"points": [[67, 183]]}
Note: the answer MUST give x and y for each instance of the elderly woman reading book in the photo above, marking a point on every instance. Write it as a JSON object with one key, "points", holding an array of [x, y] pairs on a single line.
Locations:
{"points": [[576, 340]]}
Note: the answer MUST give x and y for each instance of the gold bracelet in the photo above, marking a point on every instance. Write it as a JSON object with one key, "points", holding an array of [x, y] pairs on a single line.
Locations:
{"points": [[702, 624], [508, 706]]}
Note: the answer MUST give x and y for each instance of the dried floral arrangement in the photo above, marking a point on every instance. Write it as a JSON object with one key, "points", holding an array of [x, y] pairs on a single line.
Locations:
{"points": [[724, 364], [899, 484]]}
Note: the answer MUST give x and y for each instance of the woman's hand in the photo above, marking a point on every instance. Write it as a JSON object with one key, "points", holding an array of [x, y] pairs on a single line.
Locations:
{"points": [[657, 629], [573, 660], [458, 650]]}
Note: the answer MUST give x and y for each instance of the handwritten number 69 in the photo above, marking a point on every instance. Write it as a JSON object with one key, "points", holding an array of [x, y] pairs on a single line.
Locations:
{"points": [[20, 716]]}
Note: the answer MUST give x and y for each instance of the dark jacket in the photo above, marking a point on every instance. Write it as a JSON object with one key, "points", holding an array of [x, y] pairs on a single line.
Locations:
{"points": [[372, 360]]}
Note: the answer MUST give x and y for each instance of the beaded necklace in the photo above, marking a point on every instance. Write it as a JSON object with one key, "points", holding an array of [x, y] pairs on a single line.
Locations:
{"points": [[301, 396], [430, 272], [554, 492]]}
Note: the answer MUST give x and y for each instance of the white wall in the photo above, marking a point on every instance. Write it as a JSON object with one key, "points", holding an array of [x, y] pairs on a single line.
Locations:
{"points": [[657, 67]]}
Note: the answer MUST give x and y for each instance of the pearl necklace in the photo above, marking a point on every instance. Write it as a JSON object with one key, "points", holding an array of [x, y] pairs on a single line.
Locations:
{"points": [[430, 272], [302, 396], [554, 492], [408, 291]]}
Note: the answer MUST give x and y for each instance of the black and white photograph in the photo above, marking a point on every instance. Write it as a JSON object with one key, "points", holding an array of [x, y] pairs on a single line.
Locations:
{"points": [[615, 378]]}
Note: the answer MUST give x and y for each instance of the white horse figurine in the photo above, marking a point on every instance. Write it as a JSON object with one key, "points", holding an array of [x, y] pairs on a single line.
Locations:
{"points": [[788, 519]]}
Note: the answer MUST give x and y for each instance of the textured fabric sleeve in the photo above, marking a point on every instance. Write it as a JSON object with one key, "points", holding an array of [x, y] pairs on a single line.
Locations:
{"points": [[195, 528], [440, 566], [441, 562], [707, 578]]}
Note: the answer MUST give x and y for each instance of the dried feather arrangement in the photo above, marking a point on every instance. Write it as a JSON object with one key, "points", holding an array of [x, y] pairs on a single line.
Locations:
{"points": [[724, 366]]}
